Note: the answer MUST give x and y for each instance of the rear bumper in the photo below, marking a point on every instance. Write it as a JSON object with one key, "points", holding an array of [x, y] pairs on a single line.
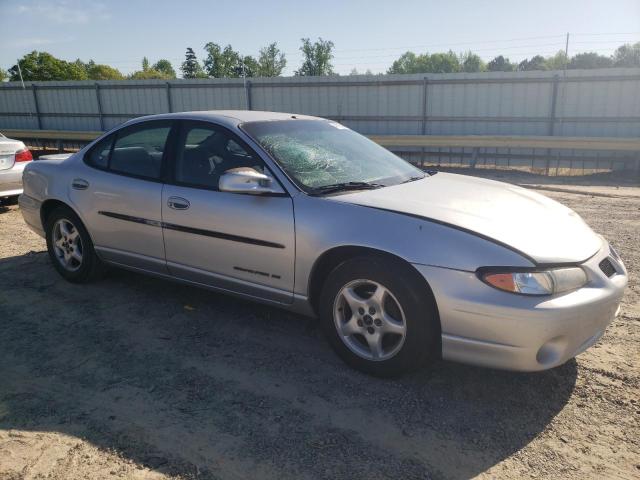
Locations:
{"points": [[30, 209], [11, 180], [487, 327]]}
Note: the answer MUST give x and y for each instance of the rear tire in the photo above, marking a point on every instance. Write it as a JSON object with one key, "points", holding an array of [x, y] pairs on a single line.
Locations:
{"points": [[70, 247], [379, 317]]}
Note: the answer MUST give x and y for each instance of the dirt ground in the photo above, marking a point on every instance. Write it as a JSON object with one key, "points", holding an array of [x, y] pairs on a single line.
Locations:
{"points": [[134, 377]]}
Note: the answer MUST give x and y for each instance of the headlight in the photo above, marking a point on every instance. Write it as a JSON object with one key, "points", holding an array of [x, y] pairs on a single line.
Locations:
{"points": [[545, 282]]}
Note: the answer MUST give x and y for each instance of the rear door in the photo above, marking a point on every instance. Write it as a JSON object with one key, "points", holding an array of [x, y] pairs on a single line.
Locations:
{"points": [[119, 195], [239, 242]]}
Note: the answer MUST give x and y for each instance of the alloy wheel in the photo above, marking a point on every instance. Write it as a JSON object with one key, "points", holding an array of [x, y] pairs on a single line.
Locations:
{"points": [[369, 320], [67, 245]]}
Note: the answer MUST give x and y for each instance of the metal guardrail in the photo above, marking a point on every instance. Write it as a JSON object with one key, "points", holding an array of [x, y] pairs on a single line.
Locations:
{"points": [[491, 141], [421, 141], [51, 135]]}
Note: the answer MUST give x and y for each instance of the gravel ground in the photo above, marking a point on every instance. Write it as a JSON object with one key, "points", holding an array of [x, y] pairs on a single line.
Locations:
{"points": [[140, 378]]}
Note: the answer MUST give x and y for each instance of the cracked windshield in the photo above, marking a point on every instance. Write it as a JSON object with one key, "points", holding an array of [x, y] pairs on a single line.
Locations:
{"points": [[317, 154]]}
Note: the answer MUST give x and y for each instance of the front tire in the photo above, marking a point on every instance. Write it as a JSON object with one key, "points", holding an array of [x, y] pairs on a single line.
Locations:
{"points": [[70, 247], [379, 317]]}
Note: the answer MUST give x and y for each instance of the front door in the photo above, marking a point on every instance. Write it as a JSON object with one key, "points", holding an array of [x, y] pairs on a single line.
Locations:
{"points": [[238, 242]]}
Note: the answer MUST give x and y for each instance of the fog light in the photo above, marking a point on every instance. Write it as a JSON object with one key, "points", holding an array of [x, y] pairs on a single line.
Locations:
{"points": [[552, 351]]}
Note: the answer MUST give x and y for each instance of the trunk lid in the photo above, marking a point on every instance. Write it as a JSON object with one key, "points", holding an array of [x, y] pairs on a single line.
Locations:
{"points": [[8, 149]]}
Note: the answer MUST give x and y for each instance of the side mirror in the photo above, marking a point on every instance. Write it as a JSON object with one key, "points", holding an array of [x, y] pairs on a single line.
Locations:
{"points": [[247, 180]]}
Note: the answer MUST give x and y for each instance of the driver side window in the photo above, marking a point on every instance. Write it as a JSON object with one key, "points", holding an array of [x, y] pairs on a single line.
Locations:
{"points": [[206, 152]]}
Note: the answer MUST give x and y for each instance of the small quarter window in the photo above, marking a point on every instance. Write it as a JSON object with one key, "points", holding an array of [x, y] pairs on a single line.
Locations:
{"points": [[99, 155]]}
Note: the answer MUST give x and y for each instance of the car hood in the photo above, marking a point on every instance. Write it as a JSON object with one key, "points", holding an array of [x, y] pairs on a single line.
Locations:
{"points": [[541, 228]]}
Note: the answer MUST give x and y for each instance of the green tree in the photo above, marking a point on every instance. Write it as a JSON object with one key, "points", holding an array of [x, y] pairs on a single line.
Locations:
{"points": [[42, 66], [317, 58], [222, 63], [249, 67], [164, 66], [444, 62], [409, 62], [148, 73], [557, 62], [471, 63], [500, 64], [590, 60], [627, 56], [271, 61], [3, 75], [536, 63], [96, 71], [191, 67]]}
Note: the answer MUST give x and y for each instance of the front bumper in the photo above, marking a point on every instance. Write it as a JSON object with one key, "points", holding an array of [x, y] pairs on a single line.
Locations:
{"points": [[485, 326]]}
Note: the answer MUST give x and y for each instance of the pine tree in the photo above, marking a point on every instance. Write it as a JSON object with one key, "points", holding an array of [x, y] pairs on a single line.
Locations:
{"points": [[190, 67]]}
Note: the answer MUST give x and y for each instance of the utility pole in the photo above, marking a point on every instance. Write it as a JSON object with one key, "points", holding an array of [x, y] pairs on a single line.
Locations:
{"points": [[244, 81], [566, 54], [20, 73]]}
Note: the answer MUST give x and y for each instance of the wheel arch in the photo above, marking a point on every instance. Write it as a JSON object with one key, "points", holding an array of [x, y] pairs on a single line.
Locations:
{"points": [[335, 256], [49, 205]]}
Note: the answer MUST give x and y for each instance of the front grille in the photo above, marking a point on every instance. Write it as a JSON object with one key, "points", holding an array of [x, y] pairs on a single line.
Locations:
{"points": [[607, 267]]}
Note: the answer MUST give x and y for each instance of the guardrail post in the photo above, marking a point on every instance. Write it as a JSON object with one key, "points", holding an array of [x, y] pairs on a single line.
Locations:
{"points": [[37, 107], [425, 100], [474, 157], [247, 92], [169, 103], [552, 116], [99, 101]]}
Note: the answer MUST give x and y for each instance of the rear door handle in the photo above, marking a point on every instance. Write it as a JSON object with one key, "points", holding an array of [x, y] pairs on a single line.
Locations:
{"points": [[178, 203], [79, 184]]}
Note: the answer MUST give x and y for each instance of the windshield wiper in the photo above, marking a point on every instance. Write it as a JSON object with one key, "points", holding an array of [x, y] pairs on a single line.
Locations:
{"points": [[345, 186], [413, 179]]}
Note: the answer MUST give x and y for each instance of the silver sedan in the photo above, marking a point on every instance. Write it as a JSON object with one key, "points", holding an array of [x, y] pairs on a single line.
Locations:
{"points": [[14, 155], [401, 267]]}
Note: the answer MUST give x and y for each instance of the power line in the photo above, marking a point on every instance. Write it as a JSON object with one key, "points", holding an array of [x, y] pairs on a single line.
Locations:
{"points": [[513, 49], [560, 36], [611, 33]]}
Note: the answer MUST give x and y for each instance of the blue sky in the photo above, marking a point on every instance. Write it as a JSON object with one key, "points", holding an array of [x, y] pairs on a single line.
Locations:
{"points": [[367, 34]]}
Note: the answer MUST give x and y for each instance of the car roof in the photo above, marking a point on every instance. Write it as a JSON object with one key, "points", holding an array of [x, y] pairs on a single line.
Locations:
{"points": [[228, 117]]}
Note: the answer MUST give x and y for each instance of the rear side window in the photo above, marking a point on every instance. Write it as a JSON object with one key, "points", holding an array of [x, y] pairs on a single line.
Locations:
{"points": [[99, 155], [139, 152], [134, 151]]}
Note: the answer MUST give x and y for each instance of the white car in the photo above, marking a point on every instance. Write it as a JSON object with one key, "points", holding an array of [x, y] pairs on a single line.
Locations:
{"points": [[14, 155]]}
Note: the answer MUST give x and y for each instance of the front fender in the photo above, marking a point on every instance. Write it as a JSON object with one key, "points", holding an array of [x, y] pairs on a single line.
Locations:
{"points": [[322, 225]]}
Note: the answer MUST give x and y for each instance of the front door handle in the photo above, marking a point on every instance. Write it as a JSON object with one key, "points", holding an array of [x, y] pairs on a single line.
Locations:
{"points": [[79, 184], [178, 203]]}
